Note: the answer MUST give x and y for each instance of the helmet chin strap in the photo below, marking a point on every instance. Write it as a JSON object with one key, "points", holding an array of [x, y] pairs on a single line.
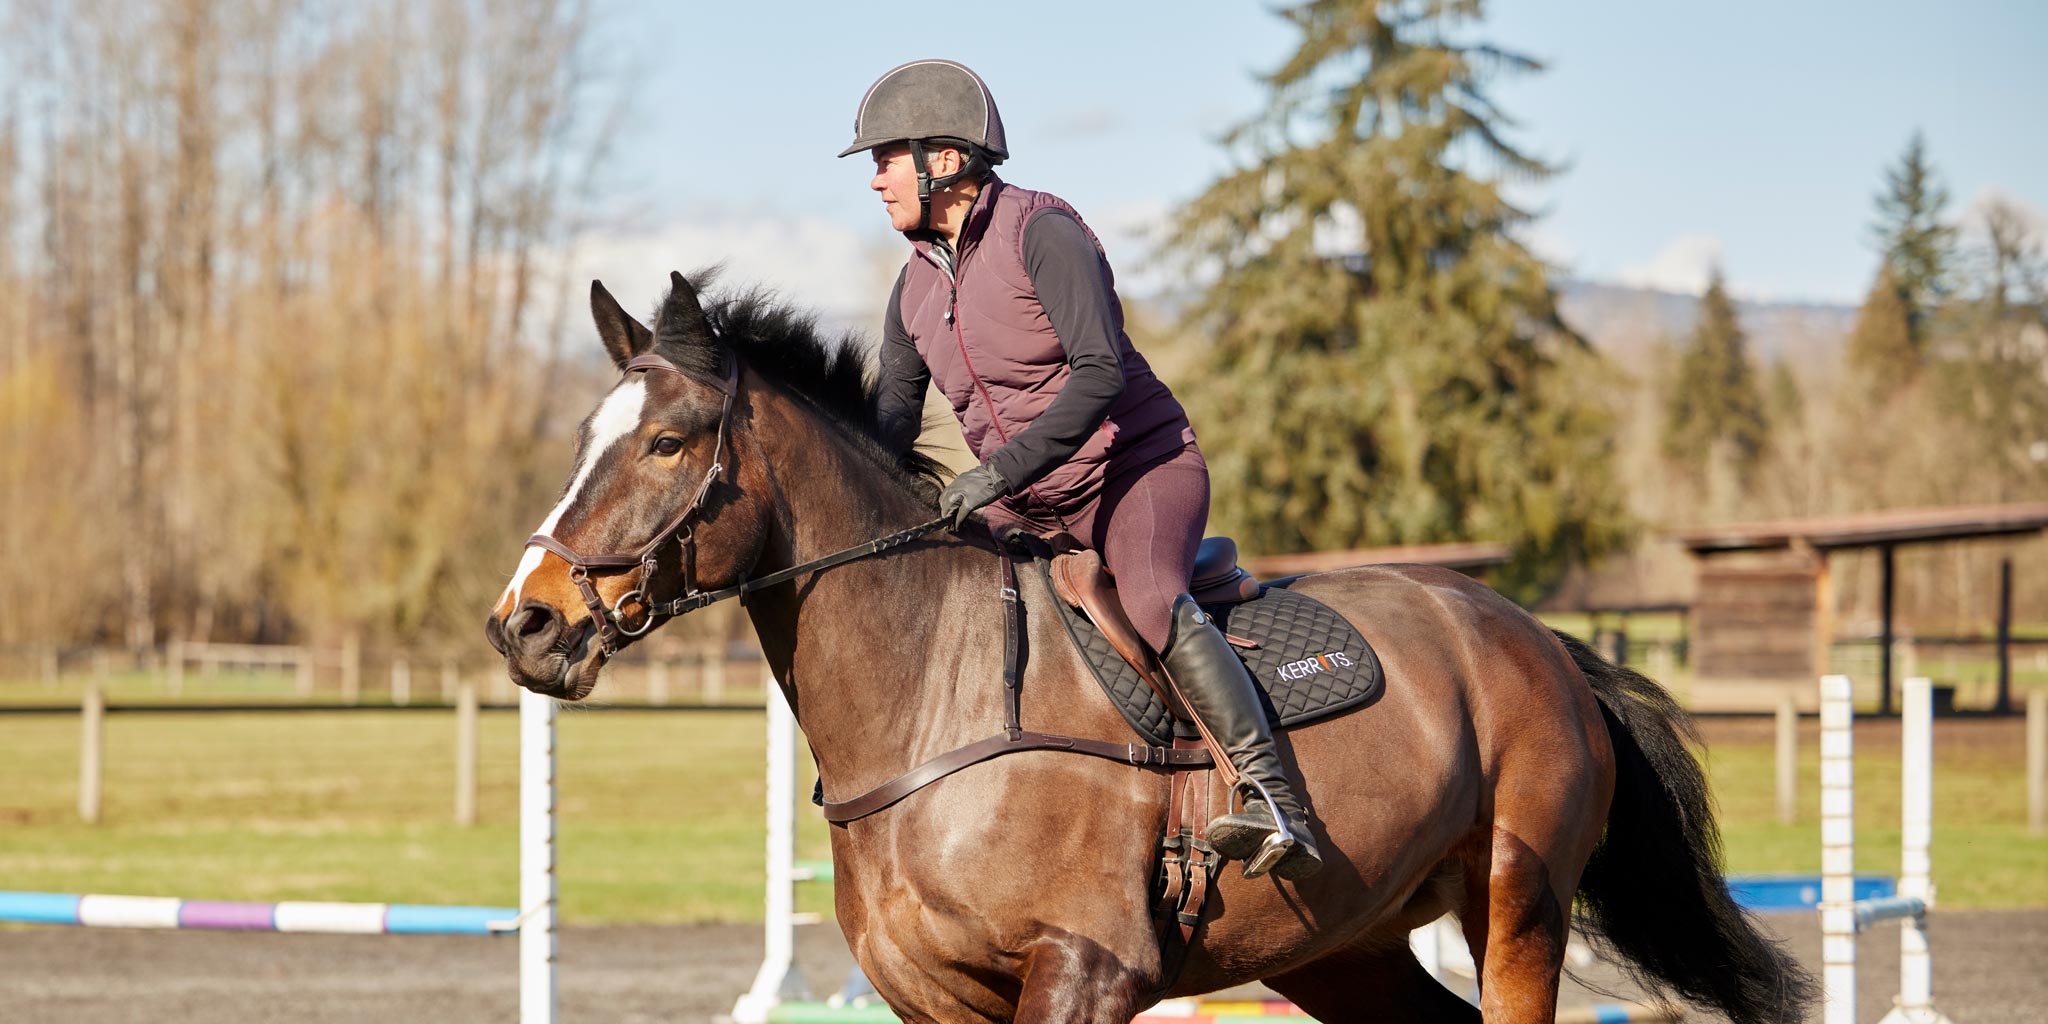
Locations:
{"points": [[926, 184]]}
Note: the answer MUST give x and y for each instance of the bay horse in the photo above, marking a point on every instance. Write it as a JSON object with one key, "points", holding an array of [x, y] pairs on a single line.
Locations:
{"points": [[1506, 775]]}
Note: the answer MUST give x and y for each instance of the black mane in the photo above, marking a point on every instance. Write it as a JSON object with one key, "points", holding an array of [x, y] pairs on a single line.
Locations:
{"points": [[783, 344]]}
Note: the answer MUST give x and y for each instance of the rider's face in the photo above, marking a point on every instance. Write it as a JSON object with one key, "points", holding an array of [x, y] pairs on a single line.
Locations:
{"points": [[895, 179]]}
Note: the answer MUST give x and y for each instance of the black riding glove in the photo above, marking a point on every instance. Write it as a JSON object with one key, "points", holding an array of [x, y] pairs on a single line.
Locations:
{"points": [[970, 491]]}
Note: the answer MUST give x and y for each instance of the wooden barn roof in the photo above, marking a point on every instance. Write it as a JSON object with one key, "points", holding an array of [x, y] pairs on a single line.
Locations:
{"points": [[1870, 529]]}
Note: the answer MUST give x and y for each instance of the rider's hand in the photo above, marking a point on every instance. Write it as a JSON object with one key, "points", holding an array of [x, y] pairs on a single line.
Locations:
{"points": [[970, 491]]}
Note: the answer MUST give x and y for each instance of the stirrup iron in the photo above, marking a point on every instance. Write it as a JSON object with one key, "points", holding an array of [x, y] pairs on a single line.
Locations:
{"points": [[1274, 847]]}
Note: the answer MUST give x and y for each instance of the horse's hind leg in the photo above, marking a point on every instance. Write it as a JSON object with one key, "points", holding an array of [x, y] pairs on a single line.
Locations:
{"points": [[1380, 985], [1518, 930]]}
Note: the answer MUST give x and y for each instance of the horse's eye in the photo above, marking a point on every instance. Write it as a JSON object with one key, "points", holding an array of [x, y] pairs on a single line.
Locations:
{"points": [[667, 445]]}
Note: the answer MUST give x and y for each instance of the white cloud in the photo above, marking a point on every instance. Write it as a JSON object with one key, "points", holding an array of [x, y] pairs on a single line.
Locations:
{"points": [[1684, 264], [839, 270], [1084, 124], [1131, 234], [1972, 221], [1550, 247], [833, 268]]}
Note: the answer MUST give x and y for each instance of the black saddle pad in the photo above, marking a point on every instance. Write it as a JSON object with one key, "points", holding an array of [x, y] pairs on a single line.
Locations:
{"points": [[1310, 662]]}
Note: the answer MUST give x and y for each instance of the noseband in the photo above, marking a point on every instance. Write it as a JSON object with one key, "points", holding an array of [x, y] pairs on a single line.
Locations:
{"points": [[611, 622]]}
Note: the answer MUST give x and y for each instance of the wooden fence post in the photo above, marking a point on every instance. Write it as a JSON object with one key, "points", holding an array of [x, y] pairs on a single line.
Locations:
{"points": [[91, 752], [174, 670], [2037, 761], [657, 682], [1788, 760], [714, 676], [465, 756], [351, 671]]}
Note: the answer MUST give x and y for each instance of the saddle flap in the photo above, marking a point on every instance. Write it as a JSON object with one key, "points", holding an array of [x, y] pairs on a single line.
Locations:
{"points": [[1081, 580], [1308, 660]]}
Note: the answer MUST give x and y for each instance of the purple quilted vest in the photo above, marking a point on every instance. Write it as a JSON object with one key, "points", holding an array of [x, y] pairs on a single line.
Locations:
{"points": [[993, 354]]}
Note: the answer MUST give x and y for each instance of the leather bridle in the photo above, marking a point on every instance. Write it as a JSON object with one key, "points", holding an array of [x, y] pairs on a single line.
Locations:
{"points": [[611, 622]]}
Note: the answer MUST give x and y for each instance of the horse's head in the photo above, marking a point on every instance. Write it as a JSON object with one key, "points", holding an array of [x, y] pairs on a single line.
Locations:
{"points": [[653, 506]]}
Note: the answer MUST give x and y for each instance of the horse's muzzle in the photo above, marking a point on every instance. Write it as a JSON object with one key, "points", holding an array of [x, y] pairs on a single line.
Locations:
{"points": [[545, 654]]}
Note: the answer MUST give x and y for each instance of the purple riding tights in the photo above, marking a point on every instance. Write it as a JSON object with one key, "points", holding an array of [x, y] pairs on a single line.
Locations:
{"points": [[1147, 523]]}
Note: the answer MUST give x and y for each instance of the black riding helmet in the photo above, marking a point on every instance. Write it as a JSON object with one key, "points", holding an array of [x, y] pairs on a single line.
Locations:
{"points": [[930, 104]]}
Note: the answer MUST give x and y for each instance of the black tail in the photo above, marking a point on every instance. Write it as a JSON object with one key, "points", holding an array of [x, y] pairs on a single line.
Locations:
{"points": [[1653, 893]]}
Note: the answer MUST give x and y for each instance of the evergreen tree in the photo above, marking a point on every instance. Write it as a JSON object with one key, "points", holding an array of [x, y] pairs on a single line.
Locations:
{"points": [[1787, 407], [1396, 368], [1881, 355], [1918, 247], [1714, 406]]}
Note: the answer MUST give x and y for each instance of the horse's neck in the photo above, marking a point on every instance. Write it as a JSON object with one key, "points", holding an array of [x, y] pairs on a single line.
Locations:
{"points": [[872, 650]]}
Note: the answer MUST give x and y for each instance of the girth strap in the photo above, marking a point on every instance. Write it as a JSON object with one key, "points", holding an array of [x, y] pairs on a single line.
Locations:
{"points": [[1013, 650], [937, 768]]}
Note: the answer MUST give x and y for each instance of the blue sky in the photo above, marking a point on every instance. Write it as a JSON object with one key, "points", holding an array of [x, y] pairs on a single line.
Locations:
{"points": [[1749, 133]]}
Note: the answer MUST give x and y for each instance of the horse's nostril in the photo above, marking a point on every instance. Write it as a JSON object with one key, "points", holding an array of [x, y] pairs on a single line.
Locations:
{"points": [[532, 621]]}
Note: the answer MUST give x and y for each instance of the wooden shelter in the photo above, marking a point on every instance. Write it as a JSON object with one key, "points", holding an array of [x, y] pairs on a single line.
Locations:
{"points": [[1770, 619]]}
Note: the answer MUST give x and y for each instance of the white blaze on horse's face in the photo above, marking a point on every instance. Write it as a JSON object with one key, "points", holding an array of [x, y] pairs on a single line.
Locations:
{"points": [[617, 418]]}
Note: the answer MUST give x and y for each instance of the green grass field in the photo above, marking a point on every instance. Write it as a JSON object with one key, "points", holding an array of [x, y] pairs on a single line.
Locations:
{"points": [[660, 814]]}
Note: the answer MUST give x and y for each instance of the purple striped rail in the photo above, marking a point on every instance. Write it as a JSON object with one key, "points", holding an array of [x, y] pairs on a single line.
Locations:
{"points": [[100, 911]]}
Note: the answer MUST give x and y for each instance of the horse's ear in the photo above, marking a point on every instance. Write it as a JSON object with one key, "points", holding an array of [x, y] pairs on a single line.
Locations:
{"points": [[623, 336], [682, 320]]}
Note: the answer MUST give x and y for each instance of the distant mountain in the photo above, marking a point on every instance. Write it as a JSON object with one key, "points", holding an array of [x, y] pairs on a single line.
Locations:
{"points": [[1624, 322]]}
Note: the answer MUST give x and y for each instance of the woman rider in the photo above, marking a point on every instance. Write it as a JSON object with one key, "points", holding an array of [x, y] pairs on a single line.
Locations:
{"points": [[1008, 302]]}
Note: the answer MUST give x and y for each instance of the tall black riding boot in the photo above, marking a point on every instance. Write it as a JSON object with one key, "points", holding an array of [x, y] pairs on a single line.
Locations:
{"points": [[1219, 691]]}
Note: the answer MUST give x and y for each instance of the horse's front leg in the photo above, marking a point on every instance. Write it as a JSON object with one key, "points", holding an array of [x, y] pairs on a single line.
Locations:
{"points": [[1069, 977]]}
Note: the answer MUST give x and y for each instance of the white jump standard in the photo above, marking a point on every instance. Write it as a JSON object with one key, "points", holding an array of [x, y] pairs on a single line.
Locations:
{"points": [[1842, 916], [534, 920]]}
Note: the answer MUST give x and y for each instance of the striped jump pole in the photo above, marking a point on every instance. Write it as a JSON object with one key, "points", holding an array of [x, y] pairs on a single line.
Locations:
{"points": [[534, 919], [1837, 851], [94, 910], [537, 995], [778, 981], [1842, 915]]}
